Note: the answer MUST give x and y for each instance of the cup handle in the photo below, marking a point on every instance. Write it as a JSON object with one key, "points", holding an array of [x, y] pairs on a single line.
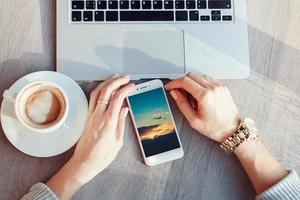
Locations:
{"points": [[9, 96]]}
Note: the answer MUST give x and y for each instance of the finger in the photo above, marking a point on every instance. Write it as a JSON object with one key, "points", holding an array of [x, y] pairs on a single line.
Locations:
{"points": [[110, 87], [188, 85], [96, 92], [117, 101], [107, 91], [191, 99], [101, 107], [200, 80], [184, 105], [121, 124], [214, 81]]}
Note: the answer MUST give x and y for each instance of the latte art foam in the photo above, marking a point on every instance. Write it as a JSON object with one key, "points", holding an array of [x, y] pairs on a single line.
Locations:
{"points": [[43, 107]]}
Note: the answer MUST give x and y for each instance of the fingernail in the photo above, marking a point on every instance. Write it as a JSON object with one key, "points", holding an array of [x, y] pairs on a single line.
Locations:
{"points": [[126, 76], [115, 76], [173, 94]]}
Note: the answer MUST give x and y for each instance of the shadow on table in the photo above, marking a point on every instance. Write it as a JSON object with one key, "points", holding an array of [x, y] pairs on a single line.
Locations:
{"points": [[265, 49], [13, 69]]}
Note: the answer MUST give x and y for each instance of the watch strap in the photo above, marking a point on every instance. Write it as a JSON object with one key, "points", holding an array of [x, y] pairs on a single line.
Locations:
{"points": [[231, 143], [244, 132]]}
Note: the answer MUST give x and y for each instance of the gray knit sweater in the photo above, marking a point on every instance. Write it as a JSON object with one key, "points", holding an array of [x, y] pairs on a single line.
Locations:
{"points": [[286, 189]]}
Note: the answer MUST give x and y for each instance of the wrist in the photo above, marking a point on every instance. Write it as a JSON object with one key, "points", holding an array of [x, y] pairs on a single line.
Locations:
{"points": [[229, 130], [67, 181], [83, 173], [248, 148]]}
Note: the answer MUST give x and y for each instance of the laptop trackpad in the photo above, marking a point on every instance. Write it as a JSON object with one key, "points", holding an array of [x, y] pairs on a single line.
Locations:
{"points": [[153, 52]]}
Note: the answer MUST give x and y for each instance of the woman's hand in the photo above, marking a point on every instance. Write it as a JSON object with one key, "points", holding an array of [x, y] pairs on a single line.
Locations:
{"points": [[103, 134], [101, 140], [207, 105]]}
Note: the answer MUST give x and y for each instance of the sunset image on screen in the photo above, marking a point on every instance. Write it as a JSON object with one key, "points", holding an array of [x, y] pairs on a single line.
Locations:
{"points": [[154, 123], [155, 131]]}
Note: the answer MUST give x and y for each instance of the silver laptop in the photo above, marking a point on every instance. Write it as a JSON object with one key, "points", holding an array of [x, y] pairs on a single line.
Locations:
{"points": [[152, 38]]}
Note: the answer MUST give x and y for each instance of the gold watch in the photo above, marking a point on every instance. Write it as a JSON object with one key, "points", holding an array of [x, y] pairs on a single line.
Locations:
{"points": [[246, 131]]}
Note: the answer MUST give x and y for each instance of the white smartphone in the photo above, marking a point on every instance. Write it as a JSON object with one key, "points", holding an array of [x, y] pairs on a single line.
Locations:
{"points": [[154, 124]]}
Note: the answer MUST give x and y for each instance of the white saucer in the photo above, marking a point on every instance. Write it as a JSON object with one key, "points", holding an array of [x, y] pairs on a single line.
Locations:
{"points": [[46, 144]]}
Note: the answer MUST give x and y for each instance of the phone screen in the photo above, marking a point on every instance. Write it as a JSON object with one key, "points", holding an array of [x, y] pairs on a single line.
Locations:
{"points": [[154, 122]]}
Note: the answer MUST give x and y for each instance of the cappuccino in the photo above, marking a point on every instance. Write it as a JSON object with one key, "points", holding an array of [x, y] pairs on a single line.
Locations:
{"points": [[42, 106]]}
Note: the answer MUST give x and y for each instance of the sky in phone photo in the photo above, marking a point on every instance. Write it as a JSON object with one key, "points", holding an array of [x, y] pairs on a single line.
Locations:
{"points": [[151, 113], [150, 108]]}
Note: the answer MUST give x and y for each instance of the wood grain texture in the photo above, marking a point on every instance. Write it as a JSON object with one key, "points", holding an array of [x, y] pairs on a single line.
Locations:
{"points": [[271, 96]]}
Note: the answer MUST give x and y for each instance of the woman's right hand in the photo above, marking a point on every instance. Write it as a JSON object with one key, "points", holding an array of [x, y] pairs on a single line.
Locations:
{"points": [[207, 104]]}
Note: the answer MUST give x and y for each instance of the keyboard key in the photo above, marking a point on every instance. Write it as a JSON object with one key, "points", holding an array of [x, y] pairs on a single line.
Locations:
{"points": [[194, 15], [76, 16], [181, 16], [227, 18], [99, 16], [112, 4], [102, 5], [217, 4], [157, 4], [135, 4], [201, 4], [146, 4], [112, 16], [87, 16], [91, 5], [190, 4], [146, 15], [205, 18], [216, 17], [124, 4], [179, 4], [77, 5], [215, 12], [169, 4]]}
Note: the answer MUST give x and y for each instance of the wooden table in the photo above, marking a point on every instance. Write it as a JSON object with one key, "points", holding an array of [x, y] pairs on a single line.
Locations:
{"points": [[271, 96]]}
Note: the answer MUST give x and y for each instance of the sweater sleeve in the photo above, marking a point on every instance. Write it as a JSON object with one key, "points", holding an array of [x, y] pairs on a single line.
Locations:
{"points": [[40, 191], [288, 188]]}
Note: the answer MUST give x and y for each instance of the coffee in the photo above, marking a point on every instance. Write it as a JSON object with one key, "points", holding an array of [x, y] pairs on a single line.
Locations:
{"points": [[42, 106]]}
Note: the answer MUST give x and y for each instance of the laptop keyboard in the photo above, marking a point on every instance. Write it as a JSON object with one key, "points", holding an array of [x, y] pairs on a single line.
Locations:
{"points": [[162, 11]]}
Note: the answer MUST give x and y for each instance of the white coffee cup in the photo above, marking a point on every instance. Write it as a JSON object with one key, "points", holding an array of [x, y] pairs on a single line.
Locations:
{"points": [[41, 106]]}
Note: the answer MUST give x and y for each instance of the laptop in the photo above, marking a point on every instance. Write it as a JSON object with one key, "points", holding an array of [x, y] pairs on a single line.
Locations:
{"points": [[152, 38]]}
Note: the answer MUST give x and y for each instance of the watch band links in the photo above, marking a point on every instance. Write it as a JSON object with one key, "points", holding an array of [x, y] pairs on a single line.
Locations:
{"points": [[231, 143]]}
